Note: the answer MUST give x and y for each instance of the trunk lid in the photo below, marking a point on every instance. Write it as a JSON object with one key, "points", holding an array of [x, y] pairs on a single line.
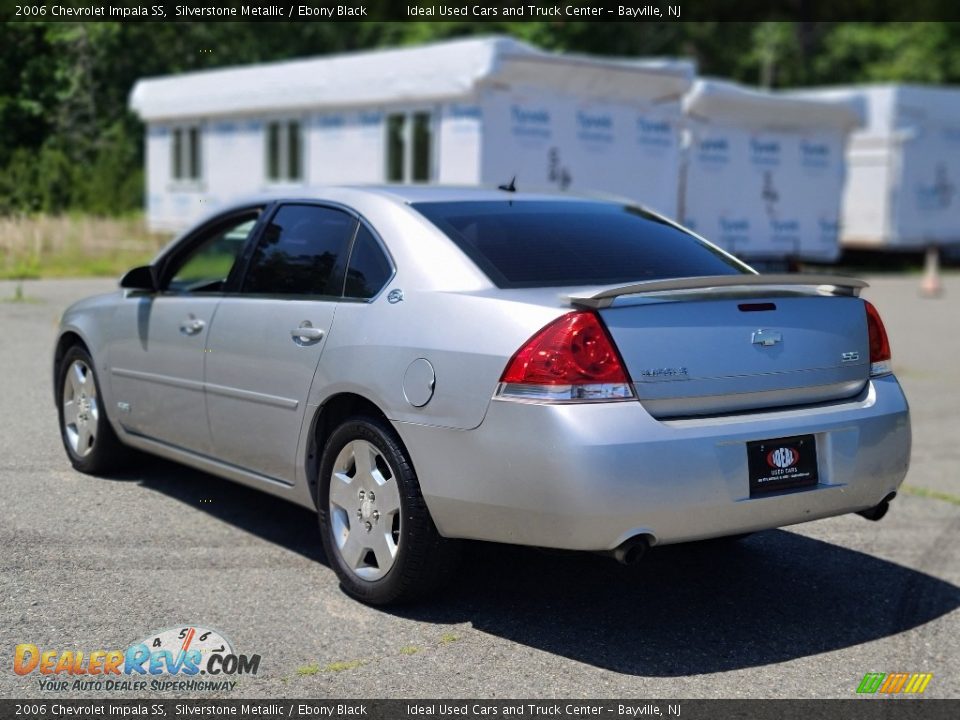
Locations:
{"points": [[723, 352]]}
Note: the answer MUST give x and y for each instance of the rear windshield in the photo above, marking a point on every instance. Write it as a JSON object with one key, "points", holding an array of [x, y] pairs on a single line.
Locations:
{"points": [[556, 243]]}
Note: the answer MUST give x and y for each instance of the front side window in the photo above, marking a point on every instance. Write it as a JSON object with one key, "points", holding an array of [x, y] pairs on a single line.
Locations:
{"points": [[409, 147], [206, 267], [185, 154], [284, 151], [300, 251]]}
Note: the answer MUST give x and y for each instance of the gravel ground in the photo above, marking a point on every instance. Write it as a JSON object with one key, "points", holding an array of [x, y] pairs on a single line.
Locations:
{"points": [[94, 563]]}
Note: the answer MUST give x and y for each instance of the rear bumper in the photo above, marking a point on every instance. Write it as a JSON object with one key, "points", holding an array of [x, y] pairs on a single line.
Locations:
{"points": [[588, 477]]}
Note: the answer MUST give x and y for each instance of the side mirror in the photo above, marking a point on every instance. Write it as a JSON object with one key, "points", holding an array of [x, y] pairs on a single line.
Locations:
{"points": [[140, 278]]}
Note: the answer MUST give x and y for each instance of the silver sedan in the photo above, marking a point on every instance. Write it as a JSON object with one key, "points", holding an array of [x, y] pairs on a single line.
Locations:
{"points": [[422, 365]]}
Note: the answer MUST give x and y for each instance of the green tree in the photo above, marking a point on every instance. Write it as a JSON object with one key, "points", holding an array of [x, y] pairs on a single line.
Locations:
{"points": [[68, 140]]}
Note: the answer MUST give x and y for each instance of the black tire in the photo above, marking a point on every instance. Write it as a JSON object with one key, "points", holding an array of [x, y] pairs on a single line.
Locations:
{"points": [[424, 560], [105, 453]]}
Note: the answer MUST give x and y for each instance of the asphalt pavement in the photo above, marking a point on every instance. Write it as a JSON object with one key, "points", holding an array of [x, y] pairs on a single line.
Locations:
{"points": [[92, 563]]}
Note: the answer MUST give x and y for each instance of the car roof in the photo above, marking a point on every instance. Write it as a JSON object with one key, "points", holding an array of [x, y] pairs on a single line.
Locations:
{"points": [[409, 194], [454, 193]]}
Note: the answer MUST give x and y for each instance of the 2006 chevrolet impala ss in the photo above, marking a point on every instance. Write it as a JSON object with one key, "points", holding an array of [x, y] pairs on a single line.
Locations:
{"points": [[427, 364]]}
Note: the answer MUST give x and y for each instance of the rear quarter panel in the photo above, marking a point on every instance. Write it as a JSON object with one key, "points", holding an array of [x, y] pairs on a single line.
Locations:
{"points": [[467, 338], [450, 314]]}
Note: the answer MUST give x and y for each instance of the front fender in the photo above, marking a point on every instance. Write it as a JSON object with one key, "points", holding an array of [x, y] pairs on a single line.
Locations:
{"points": [[88, 322]]}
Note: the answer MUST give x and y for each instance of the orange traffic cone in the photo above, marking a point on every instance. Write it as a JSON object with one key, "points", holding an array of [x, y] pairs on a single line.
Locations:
{"points": [[930, 286]]}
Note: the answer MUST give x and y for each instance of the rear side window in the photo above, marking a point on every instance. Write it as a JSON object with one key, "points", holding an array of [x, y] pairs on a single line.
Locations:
{"points": [[300, 252], [369, 268], [558, 243]]}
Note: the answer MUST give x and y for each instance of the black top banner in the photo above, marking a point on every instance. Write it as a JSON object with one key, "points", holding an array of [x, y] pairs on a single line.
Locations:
{"points": [[469, 11], [632, 709]]}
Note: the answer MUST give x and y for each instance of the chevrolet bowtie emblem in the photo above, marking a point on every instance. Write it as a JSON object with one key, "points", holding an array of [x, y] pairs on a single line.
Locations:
{"points": [[766, 338]]}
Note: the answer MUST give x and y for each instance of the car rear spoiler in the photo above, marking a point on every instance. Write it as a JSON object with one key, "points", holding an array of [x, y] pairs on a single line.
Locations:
{"points": [[835, 284]]}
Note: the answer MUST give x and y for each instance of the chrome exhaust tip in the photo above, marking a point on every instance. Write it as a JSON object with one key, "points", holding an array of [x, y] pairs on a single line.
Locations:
{"points": [[879, 510], [631, 551]]}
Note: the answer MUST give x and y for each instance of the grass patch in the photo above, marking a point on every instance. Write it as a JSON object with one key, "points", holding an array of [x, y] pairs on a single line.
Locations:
{"points": [[932, 494], [448, 638], [409, 650], [306, 670], [45, 246], [344, 665]]}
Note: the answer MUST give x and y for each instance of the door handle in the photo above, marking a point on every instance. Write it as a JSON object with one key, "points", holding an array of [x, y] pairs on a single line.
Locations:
{"points": [[192, 325], [306, 333]]}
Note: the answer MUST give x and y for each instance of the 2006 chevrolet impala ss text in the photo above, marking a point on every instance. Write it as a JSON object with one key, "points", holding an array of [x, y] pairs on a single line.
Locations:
{"points": [[423, 365]]}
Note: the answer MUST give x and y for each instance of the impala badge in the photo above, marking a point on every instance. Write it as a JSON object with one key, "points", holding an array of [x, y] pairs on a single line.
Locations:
{"points": [[664, 372], [766, 338]]}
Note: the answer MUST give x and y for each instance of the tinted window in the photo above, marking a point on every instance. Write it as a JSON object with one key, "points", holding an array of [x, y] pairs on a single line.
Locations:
{"points": [[369, 268], [207, 265], [545, 243], [298, 252]]}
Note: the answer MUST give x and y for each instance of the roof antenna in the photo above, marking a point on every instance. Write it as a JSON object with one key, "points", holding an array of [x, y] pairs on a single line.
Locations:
{"points": [[509, 187]]}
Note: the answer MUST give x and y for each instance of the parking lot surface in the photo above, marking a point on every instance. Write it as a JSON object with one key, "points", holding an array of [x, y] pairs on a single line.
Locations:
{"points": [[91, 563]]}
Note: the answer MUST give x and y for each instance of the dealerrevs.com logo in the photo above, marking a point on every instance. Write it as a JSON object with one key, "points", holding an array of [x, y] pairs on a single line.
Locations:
{"points": [[172, 659]]}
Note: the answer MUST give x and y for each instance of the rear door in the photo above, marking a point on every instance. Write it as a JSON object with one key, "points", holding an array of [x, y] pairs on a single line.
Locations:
{"points": [[156, 353], [266, 341]]}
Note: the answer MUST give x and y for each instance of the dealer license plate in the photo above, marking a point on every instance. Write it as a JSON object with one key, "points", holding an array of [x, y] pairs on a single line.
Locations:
{"points": [[782, 464]]}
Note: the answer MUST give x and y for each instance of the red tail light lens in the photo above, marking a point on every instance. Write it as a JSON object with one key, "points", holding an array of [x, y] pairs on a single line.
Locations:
{"points": [[879, 343], [571, 359]]}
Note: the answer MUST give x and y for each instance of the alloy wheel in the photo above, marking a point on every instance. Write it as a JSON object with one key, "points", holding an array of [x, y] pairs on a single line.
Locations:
{"points": [[81, 410], [365, 510]]}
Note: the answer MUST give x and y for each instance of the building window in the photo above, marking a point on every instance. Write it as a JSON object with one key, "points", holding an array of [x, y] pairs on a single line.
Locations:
{"points": [[185, 153], [284, 151], [396, 147], [410, 147]]}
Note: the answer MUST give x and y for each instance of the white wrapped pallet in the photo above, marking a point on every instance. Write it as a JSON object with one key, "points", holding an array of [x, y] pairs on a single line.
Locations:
{"points": [[477, 111], [764, 173], [587, 125], [904, 166]]}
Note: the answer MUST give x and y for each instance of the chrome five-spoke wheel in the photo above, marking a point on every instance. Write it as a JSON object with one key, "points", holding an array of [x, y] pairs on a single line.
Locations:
{"points": [[91, 444], [375, 526], [81, 411], [365, 510]]}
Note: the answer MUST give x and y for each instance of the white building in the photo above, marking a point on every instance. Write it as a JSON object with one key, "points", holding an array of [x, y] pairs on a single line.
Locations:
{"points": [[477, 111], [904, 166], [764, 172]]}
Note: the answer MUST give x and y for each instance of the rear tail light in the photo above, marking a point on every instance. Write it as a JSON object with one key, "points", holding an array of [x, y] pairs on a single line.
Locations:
{"points": [[879, 344], [572, 359]]}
